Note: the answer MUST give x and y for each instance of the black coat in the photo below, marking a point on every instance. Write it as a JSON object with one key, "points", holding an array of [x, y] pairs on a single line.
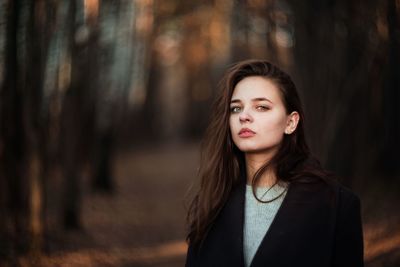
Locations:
{"points": [[317, 225]]}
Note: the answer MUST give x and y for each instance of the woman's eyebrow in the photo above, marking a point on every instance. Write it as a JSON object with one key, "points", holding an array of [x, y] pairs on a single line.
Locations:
{"points": [[254, 100], [261, 99]]}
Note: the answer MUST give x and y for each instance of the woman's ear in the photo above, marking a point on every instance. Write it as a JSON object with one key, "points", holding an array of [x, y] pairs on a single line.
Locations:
{"points": [[292, 122]]}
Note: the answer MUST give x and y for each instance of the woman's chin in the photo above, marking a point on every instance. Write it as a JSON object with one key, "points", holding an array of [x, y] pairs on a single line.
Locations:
{"points": [[257, 149]]}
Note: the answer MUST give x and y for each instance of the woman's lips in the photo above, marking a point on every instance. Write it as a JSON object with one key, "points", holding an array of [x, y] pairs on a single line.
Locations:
{"points": [[245, 133]]}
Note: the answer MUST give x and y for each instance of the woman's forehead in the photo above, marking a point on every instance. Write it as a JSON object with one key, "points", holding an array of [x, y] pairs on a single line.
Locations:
{"points": [[256, 88]]}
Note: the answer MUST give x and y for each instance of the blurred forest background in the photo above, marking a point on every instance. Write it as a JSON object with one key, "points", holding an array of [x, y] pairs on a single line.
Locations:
{"points": [[103, 104]]}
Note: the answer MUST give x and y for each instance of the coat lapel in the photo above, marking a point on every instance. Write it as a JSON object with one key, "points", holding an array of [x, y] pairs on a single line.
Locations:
{"points": [[233, 220], [234, 224], [277, 230], [297, 223]]}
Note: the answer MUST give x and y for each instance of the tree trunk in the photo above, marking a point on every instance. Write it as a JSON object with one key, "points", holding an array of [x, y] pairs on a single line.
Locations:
{"points": [[391, 144]]}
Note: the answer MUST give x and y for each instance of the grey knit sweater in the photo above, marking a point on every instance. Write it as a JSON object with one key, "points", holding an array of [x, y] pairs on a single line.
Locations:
{"points": [[258, 217]]}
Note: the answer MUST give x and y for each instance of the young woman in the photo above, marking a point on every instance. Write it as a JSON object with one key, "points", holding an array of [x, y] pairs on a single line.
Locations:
{"points": [[263, 200]]}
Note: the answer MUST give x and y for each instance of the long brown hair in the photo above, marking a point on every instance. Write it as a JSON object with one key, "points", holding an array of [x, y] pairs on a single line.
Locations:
{"points": [[222, 164]]}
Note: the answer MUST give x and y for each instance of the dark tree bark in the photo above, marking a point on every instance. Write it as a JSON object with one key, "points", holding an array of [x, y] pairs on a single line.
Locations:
{"points": [[391, 114], [22, 126], [14, 227], [336, 56], [239, 31], [73, 116]]}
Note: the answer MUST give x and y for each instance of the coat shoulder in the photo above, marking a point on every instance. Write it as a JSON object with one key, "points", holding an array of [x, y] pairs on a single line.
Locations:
{"points": [[327, 190], [343, 192]]}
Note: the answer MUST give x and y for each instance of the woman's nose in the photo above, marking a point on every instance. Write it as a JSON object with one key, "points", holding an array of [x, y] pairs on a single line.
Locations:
{"points": [[245, 117]]}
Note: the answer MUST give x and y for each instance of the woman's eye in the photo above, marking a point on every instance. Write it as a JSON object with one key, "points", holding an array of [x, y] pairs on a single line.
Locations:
{"points": [[235, 109], [262, 108]]}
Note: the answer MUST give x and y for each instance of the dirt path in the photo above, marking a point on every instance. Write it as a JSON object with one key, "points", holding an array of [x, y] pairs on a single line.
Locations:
{"points": [[142, 224]]}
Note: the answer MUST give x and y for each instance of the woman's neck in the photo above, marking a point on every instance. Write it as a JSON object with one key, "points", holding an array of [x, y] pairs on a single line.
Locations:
{"points": [[253, 163]]}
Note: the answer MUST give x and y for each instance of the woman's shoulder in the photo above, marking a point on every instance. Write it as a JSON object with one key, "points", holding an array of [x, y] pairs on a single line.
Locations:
{"points": [[343, 191], [326, 186], [348, 200]]}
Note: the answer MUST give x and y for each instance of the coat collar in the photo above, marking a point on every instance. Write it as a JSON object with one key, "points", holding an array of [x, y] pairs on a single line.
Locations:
{"points": [[299, 200], [276, 230]]}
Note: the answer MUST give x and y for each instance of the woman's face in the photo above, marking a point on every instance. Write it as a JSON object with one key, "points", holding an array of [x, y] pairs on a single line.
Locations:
{"points": [[258, 118]]}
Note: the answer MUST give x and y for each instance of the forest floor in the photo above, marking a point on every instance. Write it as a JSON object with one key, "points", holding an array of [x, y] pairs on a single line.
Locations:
{"points": [[143, 222]]}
